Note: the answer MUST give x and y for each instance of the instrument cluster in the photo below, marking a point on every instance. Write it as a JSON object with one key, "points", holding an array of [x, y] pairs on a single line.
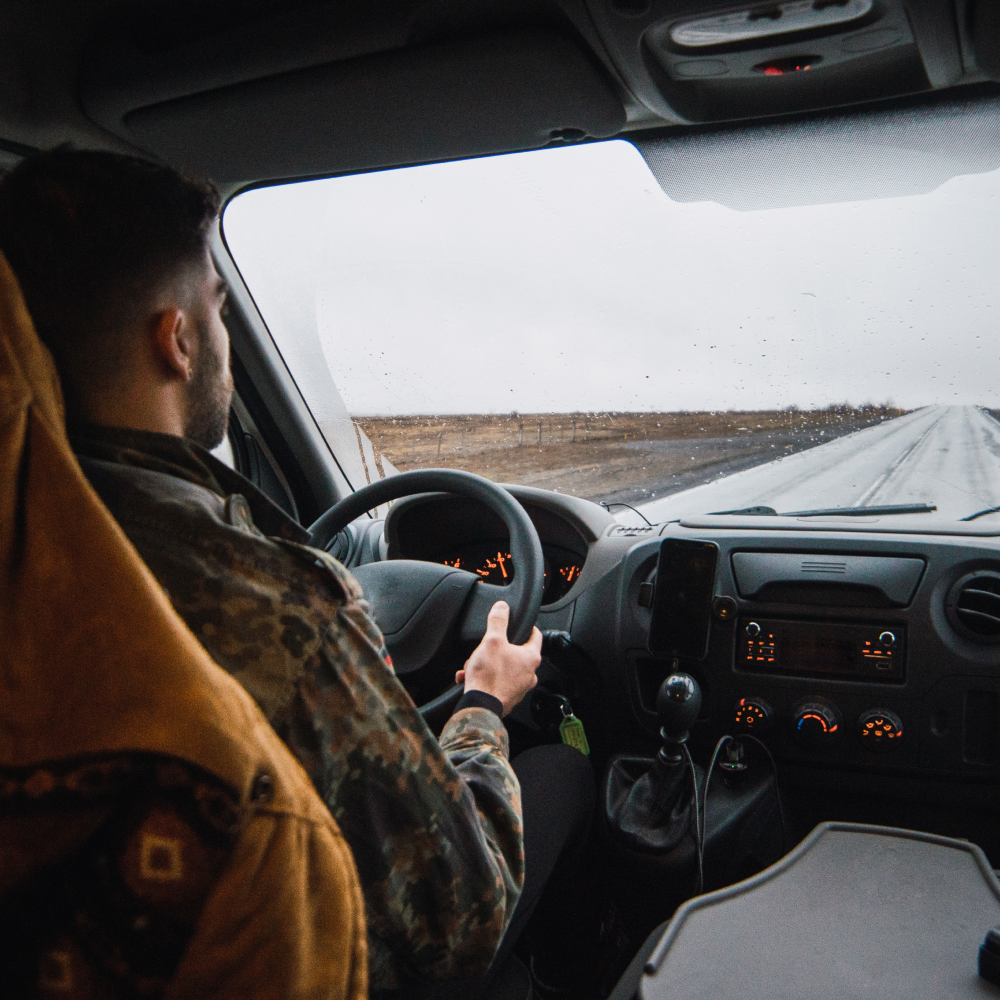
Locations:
{"points": [[492, 562]]}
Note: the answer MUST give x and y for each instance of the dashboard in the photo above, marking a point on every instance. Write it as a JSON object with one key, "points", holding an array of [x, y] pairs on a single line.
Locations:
{"points": [[851, 649]]}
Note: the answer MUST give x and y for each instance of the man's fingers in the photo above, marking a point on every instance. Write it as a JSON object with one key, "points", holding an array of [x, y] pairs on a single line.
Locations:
{"points": [[535, 642], [460, 677], [497, 620]]}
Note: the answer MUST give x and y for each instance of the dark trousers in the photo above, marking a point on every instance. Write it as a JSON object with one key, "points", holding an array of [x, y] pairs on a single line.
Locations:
{"points": [[557, 800], [557, 797]]}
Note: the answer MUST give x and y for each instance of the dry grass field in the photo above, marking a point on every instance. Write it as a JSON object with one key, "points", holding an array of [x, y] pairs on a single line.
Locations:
{"points": [[610, 456]]}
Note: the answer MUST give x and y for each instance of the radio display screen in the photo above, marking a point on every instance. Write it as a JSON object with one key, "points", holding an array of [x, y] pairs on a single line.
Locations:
{"points": [[815, 654]]}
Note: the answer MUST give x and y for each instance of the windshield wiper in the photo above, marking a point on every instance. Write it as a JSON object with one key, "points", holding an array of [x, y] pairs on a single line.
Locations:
{"points": [[901, 508], [980, 513]]}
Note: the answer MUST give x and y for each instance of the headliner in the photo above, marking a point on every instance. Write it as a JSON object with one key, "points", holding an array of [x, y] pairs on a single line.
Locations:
{"points": [[258, 90]]}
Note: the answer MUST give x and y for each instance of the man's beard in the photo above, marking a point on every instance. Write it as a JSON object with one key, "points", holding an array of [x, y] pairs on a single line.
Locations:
{"points": [[210, 393]]}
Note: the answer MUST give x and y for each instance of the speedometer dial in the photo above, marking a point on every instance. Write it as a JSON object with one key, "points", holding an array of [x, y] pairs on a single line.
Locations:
{"points": [[492, 563], [497, 568]]}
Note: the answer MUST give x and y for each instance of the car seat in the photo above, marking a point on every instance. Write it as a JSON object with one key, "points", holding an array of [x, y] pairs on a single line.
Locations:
{"points": [[95, 662]]}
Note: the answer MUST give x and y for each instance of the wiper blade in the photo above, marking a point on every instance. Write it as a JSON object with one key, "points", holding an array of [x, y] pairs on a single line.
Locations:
{"points": [[887, 509], [980, 513], [753, 511], [899, 508]]}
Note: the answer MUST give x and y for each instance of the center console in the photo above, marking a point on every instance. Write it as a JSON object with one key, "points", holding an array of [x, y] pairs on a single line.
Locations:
{"points": [[869, 654]]}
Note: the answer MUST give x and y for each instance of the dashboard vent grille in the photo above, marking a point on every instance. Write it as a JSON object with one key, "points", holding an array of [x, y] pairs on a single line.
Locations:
{"points": [[974, 606]]}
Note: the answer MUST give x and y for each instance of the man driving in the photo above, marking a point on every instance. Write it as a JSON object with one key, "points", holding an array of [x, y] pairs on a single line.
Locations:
{"points": [[112, 254]]}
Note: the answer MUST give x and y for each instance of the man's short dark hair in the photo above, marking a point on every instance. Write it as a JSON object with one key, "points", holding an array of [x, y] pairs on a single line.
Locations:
{"points": [[91, 236]]}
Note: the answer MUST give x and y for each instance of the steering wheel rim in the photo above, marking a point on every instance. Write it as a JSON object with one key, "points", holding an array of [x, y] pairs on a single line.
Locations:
{"points": [[523, 594]]}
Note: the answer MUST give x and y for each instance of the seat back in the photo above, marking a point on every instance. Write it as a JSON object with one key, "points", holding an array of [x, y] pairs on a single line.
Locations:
{"points": [[94, 662]]}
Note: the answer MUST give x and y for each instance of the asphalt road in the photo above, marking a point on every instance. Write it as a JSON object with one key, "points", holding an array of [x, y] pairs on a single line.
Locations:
{"points": [[946, 455]]}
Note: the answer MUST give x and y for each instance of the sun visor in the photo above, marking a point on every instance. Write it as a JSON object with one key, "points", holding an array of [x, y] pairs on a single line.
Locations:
{"points": [[840, 158], [449, 99]]}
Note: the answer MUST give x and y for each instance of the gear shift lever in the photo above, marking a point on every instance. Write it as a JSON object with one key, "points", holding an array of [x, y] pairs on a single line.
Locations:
{"points": [[678, 703], [657, 812], [650, 809]]}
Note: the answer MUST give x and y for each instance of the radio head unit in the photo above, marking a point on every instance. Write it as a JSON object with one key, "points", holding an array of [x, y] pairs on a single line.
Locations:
{"points": [[809, 649]]}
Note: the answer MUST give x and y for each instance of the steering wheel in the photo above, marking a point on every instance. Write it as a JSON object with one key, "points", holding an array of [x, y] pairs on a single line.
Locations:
{"points": [[417, 605]]}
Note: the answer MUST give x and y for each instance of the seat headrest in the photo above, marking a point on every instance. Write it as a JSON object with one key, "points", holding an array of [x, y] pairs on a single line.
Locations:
{"points": [[94, 659]]}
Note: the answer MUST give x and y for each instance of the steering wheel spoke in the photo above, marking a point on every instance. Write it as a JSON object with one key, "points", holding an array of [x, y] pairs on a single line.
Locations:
{"points": [[415, 605], [472, 625]]}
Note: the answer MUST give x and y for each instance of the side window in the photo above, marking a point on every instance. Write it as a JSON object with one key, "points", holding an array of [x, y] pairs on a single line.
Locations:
{"points": [[249, 455], [224, 453]]}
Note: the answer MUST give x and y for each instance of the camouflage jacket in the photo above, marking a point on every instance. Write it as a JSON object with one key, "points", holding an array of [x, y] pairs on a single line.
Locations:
{"points": [[435, 827]]}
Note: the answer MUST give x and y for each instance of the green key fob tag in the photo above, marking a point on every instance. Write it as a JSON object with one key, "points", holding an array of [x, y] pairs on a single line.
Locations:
{"points": [[571, 732]]}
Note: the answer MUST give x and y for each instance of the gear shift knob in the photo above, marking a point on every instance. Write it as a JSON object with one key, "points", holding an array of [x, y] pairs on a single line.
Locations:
{"points": [[678, 704]]}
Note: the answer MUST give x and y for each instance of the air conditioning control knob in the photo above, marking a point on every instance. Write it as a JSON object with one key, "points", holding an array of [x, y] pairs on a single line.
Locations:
{"points": [[887, 639], [879, 729], [753, 715], [753, 629], [816, 722]]}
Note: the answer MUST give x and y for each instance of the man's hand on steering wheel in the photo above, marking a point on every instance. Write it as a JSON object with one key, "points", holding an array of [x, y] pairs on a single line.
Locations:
{"points": [[498, 667]]}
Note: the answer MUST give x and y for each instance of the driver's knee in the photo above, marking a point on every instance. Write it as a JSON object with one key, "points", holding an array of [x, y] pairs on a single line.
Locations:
{"points": [[558, 794]]}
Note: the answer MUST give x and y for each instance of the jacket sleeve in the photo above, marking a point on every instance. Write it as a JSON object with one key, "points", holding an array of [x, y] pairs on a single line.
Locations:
{"points": [[435, 828]]}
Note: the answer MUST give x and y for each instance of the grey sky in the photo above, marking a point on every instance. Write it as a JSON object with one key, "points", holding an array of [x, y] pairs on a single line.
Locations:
{"points": [[565, 279]]}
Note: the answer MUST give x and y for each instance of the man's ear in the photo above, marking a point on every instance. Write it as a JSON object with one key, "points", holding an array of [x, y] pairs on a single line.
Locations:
{"points": [[173, 343]]}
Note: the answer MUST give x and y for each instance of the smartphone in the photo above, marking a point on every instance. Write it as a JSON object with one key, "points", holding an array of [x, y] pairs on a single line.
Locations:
{"points": [[682, 599]]}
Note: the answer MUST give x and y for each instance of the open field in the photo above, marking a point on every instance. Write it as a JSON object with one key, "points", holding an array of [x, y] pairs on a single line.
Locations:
{"points": [[630, 457]]}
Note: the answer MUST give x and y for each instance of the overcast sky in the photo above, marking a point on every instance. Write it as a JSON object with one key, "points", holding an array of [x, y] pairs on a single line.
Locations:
{"points": [[565, 279]]}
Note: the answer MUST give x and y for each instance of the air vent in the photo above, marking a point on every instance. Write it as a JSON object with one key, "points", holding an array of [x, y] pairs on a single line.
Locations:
{"points": [[974, 606]]}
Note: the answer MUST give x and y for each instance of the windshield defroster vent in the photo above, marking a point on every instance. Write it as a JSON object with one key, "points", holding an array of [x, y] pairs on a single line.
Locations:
{"points": [[974, 606]]}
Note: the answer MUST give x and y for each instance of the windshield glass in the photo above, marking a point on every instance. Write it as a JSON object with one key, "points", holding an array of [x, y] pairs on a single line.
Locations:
{"points": [[557, 319]]}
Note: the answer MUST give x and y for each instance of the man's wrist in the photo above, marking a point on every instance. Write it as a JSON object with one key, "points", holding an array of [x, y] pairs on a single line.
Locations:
{"points": [[480, 699]]}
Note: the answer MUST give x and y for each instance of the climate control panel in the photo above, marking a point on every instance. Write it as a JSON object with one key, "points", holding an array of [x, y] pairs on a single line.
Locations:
{"points": [[815, 722]]}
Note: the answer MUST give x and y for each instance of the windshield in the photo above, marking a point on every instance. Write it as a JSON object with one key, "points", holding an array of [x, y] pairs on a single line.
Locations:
{"points": [[558, 319]]}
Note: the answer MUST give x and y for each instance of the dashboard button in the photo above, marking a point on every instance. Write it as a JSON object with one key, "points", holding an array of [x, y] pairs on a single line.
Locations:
{"points": [[753, 628], [887, 639], [879, 729], [724, 608]]}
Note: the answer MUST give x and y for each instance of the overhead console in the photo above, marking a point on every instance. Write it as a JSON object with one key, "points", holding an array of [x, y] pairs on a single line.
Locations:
{"points": [[704, 61]]}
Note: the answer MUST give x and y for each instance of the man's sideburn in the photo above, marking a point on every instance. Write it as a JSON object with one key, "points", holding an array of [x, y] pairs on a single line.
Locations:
{"points": [[209, 393]]}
